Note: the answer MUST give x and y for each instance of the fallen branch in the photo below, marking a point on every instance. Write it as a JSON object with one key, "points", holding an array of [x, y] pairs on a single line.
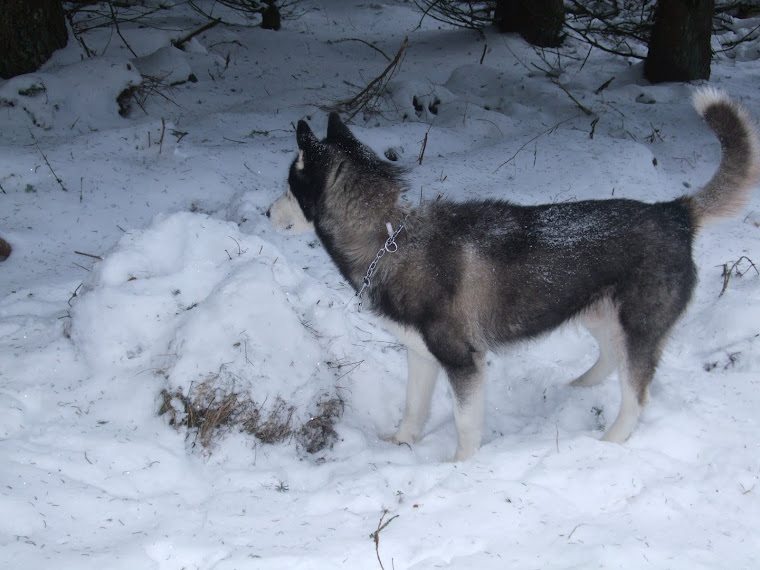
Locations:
{"points": [[375, 87], [182, 41]]}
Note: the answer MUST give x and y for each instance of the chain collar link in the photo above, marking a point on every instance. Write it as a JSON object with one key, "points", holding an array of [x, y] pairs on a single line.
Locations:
{"points": [[390, 246]]}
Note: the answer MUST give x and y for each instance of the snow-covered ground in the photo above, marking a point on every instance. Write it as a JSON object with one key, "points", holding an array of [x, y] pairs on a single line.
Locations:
{"points": [[194, 285]]}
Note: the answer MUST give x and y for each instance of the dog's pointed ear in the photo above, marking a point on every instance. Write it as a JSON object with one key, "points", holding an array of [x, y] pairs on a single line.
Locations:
{"points": [[304, 136], [337, 129]]}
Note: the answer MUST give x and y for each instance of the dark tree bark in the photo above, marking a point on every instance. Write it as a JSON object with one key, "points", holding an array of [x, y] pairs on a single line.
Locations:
{"points": [[30, 31], [538, 21], [270, 17], [5, 249], [679, 48]]}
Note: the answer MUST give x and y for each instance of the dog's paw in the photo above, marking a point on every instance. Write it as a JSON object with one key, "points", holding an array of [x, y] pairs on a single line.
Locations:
{"points": [[590, 378], [463, 453], [400, 438], [581, 381]]}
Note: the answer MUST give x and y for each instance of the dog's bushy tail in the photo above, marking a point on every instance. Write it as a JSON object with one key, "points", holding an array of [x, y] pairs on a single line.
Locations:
{"points": [[729, 189]]}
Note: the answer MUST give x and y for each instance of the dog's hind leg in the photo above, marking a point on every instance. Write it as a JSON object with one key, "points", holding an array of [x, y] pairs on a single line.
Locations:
{"points": [[606, 331], [634, 387], [647, 311], [467, 388], [643, 335], [423, 371]]}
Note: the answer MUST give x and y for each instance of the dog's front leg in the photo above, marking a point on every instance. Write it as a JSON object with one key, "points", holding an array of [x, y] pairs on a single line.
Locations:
{"points": [[423, 371]]}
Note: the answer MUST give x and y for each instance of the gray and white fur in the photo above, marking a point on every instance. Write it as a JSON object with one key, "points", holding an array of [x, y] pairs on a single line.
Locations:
{"points": [[474, 276]]}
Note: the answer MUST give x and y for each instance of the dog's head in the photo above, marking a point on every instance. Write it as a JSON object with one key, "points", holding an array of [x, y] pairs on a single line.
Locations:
{"points": [[319, 166]]}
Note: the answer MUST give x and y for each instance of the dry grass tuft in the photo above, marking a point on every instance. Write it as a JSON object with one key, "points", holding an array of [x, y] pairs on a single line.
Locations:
{"points": [[208, 413], [319, 431]]}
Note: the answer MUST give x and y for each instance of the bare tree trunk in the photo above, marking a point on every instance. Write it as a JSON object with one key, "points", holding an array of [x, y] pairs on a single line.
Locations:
{"points": [[5, 249], [538, 21], [30, 31], [679, 49]]}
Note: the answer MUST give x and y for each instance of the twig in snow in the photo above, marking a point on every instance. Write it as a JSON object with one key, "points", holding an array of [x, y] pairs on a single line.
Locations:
{"points": [[118, 30], [89, 255], [376, 535], [734, 268], [60, 182], [74, 294], [593, 127], [375, 87], [182, 41], [573, 531], [161, 140], [604, 85], [366, 43], [580, 105], [424, 145], [547, 131]]}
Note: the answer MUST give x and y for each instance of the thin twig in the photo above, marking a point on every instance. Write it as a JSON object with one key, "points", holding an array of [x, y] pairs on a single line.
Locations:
{"points": [[519, 150], [604, 85], [424, 145], [376, 535], [728, 271], [182, 41], [580, 105], [365, 96], [161, 140], [118, 30], [365, 42], [74, 294], [89, 255], [60, 182]]}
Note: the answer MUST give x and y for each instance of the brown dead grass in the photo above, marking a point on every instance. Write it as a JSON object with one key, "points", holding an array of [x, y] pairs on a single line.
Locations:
{"points": [[208, 414]]}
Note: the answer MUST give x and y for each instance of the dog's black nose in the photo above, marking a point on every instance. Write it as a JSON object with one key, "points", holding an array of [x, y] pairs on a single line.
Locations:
{"points": [[268, 213]]}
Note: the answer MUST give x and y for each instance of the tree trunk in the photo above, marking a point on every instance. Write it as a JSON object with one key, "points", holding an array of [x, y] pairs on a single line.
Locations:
{"points": [[679, 48], [30, 31], [538, 21], [5, 249]]}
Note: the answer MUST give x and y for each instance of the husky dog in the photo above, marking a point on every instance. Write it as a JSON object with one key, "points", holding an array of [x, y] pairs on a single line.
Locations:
{"points": [[456, 280]]}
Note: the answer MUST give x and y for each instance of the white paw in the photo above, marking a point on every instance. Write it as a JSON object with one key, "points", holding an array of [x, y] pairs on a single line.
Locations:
{"points": [[464, 453], [590, 378], [582, 381], [616, 435], [401, 438]]}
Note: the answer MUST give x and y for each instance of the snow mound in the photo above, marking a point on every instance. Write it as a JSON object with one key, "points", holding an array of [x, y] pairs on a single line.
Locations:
{"points": [[167, 64], [225, 324], [77, 98]]}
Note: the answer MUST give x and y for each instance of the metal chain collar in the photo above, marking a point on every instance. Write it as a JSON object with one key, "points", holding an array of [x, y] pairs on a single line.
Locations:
{"points": [[390, 246]]}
